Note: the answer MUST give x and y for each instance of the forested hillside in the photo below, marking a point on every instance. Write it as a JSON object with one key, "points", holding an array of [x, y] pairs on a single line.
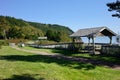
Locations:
{"points": [[12, 28]]}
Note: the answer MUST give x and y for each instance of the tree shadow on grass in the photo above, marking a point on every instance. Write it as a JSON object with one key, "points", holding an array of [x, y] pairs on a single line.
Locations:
{"points": [[109, 58], [60, 60], [102, 60], [98, 59], [24, 77], [63, 52]]}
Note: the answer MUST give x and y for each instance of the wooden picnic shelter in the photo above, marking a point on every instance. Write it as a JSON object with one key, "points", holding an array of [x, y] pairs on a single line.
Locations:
{"points": [[92, 33]]}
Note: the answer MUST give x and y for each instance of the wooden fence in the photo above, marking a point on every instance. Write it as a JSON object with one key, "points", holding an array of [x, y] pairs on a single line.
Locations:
{"points": [[58, 45], [111, 50], [83, 47]]}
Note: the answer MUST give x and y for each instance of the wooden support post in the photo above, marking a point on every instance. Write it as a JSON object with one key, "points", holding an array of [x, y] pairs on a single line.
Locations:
{"points": [[73, 44], [93, 38], [88, 41], [73, 39], [110, 37]]}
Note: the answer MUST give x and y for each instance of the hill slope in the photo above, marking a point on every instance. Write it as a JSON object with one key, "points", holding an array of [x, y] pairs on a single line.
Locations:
{"points": [[11, 27]]}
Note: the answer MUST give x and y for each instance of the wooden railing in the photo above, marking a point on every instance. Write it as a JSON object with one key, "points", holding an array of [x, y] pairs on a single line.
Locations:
{"points": [[58, 45], [111, 50], [83, 47]]}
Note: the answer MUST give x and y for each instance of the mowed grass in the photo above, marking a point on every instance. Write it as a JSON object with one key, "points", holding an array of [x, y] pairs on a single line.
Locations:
{"points": [[19, 65], [77, 54]]}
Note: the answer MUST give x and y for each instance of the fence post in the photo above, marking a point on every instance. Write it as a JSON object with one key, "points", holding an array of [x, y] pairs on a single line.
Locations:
{"points": [[93, 45]]}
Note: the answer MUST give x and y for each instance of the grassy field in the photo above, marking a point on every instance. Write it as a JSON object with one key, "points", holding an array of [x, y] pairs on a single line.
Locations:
{"points": [[76, 54], [19, 65]]}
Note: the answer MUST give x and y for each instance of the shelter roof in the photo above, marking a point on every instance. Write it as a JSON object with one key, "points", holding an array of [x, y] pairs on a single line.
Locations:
{"points": [[90, 32]]}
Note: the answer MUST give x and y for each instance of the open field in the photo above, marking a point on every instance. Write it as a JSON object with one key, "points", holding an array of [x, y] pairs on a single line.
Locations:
{"points": [[20, 65]]}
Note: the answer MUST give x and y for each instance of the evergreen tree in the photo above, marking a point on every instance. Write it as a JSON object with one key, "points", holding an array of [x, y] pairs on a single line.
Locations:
{"points": [[114, 6]]}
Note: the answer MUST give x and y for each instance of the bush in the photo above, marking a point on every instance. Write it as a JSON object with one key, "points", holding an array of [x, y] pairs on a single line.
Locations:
{"points": [[16, 41], [4, 42], [0, 45], [77, 47], [45, 42]]}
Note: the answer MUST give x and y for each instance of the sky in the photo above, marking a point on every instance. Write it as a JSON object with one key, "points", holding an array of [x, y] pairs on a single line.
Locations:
{"points": [[75, 14]]}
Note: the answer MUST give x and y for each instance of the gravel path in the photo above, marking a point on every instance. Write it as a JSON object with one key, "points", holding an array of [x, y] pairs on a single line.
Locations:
{"points": [[31, 51], [78, 59]]}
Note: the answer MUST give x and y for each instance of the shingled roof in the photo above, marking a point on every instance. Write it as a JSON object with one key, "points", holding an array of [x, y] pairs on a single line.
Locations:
{"points": [[90, 32]]}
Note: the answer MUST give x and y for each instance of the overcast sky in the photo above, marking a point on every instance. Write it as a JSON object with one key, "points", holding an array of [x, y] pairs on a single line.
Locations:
{"points": [[75, 14]]}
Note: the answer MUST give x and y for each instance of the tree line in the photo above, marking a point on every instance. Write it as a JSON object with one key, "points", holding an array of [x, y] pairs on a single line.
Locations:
{"points": [[12, 28]]}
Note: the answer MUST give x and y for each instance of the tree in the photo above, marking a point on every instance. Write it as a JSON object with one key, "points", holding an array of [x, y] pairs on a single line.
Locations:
{"points": [[62, 37], [114, 6], [11, 27], [14, 32], [4, 27], [50, 34]]}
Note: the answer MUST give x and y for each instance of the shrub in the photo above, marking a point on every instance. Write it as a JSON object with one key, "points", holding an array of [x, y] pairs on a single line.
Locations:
{"points": [[77, 47], [45, 42], [0, 45], [3, 43], [16, 41]]}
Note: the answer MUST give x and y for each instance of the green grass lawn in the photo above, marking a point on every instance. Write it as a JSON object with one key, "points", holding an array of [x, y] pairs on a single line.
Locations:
{"points": [[19, 65], [76, 54], [41, 49]]}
